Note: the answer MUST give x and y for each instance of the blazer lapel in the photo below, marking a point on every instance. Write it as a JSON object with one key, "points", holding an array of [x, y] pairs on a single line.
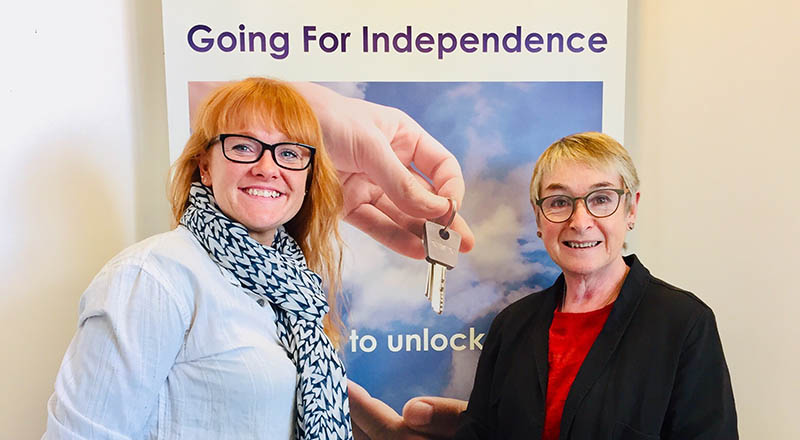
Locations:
{"points": [[607, 341], [541, 331]]}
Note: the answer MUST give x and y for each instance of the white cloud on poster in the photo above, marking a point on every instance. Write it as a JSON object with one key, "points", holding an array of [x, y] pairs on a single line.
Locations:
{"points": [[483, 139], [481, 146], [471, 90], [496, 238], [384, 286], [483, 110], [520, 177], [469, 298], [462, 374]]}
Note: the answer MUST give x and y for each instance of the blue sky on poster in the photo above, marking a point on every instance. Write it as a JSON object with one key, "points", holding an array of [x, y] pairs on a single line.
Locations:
{"points": [[496, 130]]}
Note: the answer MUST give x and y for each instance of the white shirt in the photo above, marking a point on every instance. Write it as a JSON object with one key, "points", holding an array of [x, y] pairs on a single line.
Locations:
{"points": [[169, 346]]}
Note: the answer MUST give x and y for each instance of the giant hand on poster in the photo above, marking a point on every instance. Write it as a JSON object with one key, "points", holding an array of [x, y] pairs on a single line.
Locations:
{"points": [[407, 129], [394, 174], [422, 417]]}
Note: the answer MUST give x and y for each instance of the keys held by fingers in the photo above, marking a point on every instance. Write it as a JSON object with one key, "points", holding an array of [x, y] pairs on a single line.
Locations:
{"points": [[441, 251]]}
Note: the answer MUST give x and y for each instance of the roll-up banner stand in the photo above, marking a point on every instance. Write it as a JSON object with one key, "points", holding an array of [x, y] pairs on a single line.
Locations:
{"points": [[495, 83]]}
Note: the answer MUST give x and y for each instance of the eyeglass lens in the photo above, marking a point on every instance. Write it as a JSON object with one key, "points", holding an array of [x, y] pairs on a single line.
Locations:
{"points": [[599, 203], [286, 155]]}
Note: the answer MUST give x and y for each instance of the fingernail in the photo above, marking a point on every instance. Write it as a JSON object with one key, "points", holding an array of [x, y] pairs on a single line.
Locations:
{"points": [[419, 414]]}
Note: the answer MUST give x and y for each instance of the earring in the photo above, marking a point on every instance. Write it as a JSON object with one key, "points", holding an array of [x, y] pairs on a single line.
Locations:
{"points": [[539, 234], [630, 226]]}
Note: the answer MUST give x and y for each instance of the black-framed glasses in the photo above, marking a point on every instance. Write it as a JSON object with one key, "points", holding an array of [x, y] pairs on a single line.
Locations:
{"points": [[240, 148], [599, 203]]}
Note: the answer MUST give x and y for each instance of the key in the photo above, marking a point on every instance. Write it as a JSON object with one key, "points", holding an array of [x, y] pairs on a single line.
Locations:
{"points": [[428, 282], [441, 251], [435, 290]]}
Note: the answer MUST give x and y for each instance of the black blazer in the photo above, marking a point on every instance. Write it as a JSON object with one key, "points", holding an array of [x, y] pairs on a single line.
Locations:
{"points": [[656, 370]]}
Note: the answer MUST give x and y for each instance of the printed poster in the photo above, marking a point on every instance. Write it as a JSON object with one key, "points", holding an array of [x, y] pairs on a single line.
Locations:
{"points": [[494, 85]]}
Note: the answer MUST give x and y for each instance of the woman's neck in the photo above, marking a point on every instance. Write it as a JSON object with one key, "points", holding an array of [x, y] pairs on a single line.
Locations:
{"points": [[264, 237], [585, 293]]}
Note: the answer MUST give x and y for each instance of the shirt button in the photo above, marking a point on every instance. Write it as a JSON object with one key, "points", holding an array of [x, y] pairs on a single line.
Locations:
{"points": [[260, 302]]}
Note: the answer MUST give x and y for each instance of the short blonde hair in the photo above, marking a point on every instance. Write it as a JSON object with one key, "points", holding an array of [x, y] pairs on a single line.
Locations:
{"points": [[276, 105], [593, 149]]}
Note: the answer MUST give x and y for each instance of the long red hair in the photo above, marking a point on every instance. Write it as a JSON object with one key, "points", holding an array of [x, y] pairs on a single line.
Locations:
{"points": [[276, 105]]}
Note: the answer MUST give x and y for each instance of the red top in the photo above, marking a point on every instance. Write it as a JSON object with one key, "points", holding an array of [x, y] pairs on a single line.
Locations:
{"points": [[571, 337]]}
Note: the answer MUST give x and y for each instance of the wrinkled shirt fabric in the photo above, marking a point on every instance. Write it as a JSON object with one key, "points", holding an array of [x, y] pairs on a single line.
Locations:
{"points": [[170, 346]]}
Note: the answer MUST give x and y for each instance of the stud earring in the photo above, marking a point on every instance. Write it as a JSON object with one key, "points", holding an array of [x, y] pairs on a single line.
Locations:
{"points": [[539, 234], [630, 226]]}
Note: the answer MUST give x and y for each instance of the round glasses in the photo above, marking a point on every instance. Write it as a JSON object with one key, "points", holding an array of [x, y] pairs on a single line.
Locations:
{"points": [[240, 148], [599, 203]]}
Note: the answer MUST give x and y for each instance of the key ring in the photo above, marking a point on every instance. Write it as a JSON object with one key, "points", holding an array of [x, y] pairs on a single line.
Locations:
{"points": [[443, 232]]}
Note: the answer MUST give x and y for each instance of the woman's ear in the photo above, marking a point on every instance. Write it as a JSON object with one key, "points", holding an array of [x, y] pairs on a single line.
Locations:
{"points": [[536, 214], [204, 167], [633, 207]]}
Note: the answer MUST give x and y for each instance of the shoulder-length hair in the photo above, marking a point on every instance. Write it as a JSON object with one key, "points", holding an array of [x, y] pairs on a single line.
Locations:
{"points": [[276, 105]]}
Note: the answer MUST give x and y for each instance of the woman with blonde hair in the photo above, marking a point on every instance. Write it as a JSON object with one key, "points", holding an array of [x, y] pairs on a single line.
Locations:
{"points": [[220, 328], [608, 351]]}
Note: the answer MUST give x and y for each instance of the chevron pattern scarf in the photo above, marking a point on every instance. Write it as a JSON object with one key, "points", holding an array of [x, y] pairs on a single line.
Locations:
{"points": [[279, 275]]}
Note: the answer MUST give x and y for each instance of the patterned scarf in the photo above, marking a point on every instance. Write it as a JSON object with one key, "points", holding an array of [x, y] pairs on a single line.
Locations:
{"points": [[279, 275]]}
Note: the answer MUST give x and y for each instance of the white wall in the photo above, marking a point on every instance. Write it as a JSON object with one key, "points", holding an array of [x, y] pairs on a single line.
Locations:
{"points": [[713, 105], [712, 102], [84, 158]]}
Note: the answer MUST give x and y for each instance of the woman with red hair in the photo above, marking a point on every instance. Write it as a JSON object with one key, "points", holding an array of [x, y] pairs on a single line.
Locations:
{"points": [[220, 328]]}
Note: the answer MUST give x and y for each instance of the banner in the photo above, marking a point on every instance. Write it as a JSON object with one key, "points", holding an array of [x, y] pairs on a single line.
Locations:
{"points": [[494, 84]]}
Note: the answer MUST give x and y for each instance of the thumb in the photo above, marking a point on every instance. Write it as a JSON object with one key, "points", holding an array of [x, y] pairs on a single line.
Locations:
{"points": [[433, 415], [380, 163]]}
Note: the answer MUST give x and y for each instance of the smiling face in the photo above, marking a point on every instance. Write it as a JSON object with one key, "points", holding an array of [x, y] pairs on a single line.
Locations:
{"points": [[584, 245], [262, 196]]}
